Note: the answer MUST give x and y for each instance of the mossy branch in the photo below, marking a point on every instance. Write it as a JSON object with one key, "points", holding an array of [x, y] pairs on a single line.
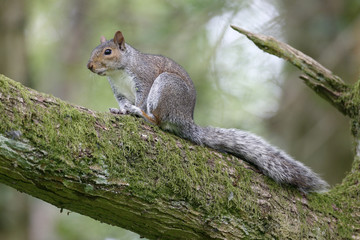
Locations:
{"points": [[326, 84], [125, 172]]}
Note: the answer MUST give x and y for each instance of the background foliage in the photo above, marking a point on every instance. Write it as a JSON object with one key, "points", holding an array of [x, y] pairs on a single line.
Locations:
{"points": [[46, 45]]}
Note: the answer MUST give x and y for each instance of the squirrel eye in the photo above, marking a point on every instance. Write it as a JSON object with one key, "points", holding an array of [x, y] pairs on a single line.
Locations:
{"points": [[107, 52]]}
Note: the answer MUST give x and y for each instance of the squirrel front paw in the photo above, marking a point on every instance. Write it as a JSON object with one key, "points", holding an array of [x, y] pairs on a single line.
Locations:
{"points": [[126, 109], [118, 111]]}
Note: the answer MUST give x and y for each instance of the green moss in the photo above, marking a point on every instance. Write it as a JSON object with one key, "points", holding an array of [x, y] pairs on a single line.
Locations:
{"points": [[4, 83], [336, 206], [166, 174], [126, 153]]}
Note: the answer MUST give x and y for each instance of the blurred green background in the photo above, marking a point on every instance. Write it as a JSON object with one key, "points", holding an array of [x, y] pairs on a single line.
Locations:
{"points": [[46, 45]]}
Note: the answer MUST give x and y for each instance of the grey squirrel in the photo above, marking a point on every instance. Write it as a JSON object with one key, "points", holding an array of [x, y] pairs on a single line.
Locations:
{"points": [[160, 90]]}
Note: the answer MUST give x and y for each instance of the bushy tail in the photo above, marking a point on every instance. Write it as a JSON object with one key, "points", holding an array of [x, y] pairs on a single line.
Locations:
{"points": [[271, 161]]}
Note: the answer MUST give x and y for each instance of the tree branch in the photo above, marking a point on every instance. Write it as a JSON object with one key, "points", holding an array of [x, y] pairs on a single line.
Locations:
{"points": [[320, 79], [124, 172]]}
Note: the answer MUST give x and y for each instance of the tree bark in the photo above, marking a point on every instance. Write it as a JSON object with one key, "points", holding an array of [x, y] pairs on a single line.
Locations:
{"points": [[124, 172]]}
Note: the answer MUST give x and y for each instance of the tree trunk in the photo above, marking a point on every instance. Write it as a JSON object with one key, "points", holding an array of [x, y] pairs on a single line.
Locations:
{"points": [[125, 172]]}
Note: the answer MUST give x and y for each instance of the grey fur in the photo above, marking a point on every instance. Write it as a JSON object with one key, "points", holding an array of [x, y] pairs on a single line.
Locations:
{"points": [[270, 160], [165, 95]]}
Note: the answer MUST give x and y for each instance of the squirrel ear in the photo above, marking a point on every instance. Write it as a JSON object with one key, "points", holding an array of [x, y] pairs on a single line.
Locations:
{"points": [[119, 39], [102, 39]]}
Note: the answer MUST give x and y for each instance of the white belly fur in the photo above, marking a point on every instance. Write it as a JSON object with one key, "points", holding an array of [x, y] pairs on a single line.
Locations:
{"points": [[122, 83]]}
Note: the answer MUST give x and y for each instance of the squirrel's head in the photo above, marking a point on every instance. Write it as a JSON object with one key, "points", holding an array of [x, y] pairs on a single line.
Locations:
{"points": [[108, 56]]}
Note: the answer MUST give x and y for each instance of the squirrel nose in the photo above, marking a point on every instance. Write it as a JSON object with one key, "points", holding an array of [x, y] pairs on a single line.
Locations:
{"points": [[90, 66]]}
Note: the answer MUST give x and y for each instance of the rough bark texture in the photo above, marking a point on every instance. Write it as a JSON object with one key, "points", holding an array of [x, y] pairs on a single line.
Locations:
{"points": [[125, 172]]}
